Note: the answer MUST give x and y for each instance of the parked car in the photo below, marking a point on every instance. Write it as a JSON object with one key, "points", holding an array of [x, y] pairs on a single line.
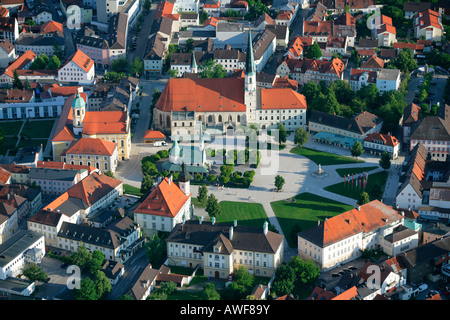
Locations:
{"points": [[423, 287], [159, 143]]}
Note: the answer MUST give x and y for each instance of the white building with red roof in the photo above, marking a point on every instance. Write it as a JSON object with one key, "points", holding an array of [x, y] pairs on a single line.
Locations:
{"points": [[428, 24], [167, 205], [377, 143], [78, 68]]}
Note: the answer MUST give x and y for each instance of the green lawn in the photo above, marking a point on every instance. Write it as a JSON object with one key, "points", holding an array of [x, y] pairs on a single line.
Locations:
{"points": [[345, 171], [324, 158], [197, 203], [37, 129], [248, 214], [181, 294], [304, 212], [7, 143], [376, 180], [10, 128], [132, 190], [32, 142]]}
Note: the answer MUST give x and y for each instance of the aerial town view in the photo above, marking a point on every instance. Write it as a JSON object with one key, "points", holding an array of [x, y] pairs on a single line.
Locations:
{"points": [[224, 150]]}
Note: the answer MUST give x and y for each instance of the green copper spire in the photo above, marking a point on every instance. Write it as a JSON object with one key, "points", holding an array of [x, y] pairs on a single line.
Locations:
{"points": [[193, 62], [78, 102], [250, 61]]}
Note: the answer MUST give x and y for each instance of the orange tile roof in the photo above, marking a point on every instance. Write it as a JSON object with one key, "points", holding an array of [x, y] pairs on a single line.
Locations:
{"points": [[428, 18], [282, 98], [203, 94], [162, 8], [51, 26], [92, 146], [20, 62], [101, 122], [165, 200], [212, 5], [386, 138], [373, 63], [153, 134], [64, 135], [321, 294], [4, 176], [64, 91], [347, 295], [437, 296], [89, 190], [412, 46], [82, 60], [211, 21], [387, 28], [285, 82]]}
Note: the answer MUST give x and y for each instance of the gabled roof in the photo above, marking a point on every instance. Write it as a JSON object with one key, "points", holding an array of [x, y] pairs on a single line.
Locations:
{"points": [[7, 45], [153, 134], [432, 128], [91, 146], [385, 139], [347, 295], [373, 63], [282, 98], [166, 200], [369, 217], [20, 63], [82, 60], [51, 26]]}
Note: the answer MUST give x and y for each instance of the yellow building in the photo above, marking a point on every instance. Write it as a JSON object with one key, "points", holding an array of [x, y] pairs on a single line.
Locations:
{"points": [[76, 123]]}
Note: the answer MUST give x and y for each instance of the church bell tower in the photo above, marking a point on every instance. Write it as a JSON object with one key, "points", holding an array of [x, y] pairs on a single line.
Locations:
{"points": [[250, 82]]}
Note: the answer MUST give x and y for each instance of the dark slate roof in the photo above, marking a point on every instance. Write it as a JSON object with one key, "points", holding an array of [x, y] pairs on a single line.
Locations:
{"points": [[207, 235], [432, 128], [53, 174], [17, 244], [399, 233], [360, 124], [182, 58], [427, 252], [49, 218]]}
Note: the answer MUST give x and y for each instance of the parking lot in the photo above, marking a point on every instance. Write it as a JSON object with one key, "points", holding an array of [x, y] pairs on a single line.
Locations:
{"points": [[58, 279]]}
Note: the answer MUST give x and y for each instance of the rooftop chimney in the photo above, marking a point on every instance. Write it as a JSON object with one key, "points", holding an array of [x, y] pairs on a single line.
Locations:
{"points": [[265, 227]]}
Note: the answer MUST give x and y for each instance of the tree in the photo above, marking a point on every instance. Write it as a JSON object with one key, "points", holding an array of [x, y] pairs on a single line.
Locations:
{"points": [[202, 194], [212, 69], [301, 137], [81, 257], [173, 73], [34, 272], [27, 84], [243, 277], [363, 198], [147, 183], [279, 182], [305, 270], [96, 261], [310, 90], [405, 60], [212, 206], [385, 161], [168, 287], [109, 173], [284, 280], [119, 65], [102, 283], [137, 66], [53, 64], [147, 5], [209, 292], [356, 149], [126, 296], [203, 16], [314, 51], [282, 132], [17, 83], [87, 290], [156, 250], [113, 76], [211, 178]]}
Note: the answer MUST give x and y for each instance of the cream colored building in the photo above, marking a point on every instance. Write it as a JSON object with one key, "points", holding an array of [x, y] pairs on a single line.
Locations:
{"points": [[219, 249]]}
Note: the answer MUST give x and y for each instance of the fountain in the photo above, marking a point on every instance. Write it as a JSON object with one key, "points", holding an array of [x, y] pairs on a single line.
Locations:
{"points": [[319, 173]]}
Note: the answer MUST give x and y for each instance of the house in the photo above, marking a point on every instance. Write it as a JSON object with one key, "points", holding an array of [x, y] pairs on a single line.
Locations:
{"points": [[434, 231], [39, 44], [373, 63], [189, 62], [33, 197], [345, 26], [342, 238], [365, 43], [336, 45], [113, 96], [360, 78], [151, 136], [400, 240], [410, 117], [434, 133], [428, 24], [221, 248], [317, 12], [7, 53], [113, 270], [366, 6], [118, 241], [167, 205], [19, 173], [22, 62], [55, 181], [411, 8], [78, 68], [230, 59], [23, 248], [295, 49], [314, 70], [388, 79], [9, 29], [5, 177], [377, 143], [27, 156], [344, 131], [189, 19], [426, 259], [416, 48], [281, 34], [318, 30], [262, 22], [212, 8], [383, 30]]}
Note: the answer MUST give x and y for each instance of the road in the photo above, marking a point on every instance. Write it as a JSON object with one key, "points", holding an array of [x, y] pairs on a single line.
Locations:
{"points": [[129, 171], [142, 38]]}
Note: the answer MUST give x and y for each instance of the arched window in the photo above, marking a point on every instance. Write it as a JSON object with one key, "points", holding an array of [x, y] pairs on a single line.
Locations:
{"points": [[160, 119], [238, 118], [220, 118], [168, 121], [230, 117], [210, 118]]}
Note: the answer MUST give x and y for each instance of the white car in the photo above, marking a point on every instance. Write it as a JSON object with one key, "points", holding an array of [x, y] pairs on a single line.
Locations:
{"points": [[423, 287]]}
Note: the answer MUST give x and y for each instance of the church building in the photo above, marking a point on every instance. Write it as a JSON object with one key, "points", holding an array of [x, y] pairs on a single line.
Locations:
{"points": [[226, 103], [76, 123]]}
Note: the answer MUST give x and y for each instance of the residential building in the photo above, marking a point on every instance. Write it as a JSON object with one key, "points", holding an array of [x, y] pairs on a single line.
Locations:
{"points": [[318, 30], [167, 205], [428, 24], [345, 26], [336, 45], [7, 53], [23, 248], [39, 44], [27, 156], [416, 48], [32, 195], [21, 63], [384, 31], [221, 248], [410, 117], [55, 181], [373, 63], [188, 62], [411, 8], [434, 133], [117, 242], [19, 173], [48, 223], [388, 79], [377, 143], [342, 238], [78, 68], [9, 29]]}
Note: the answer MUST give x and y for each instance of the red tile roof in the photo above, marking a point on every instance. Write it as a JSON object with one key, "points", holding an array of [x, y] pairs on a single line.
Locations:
{"points": [[428, 18], [412, 46], [51, 26], [347, 295], [92, 146], [63, 165], [82, 60], [4, 176], [282, 98], [387, 139], [165, 200], [373, 63], [153, 134], [102, 122], [20, 62]]}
